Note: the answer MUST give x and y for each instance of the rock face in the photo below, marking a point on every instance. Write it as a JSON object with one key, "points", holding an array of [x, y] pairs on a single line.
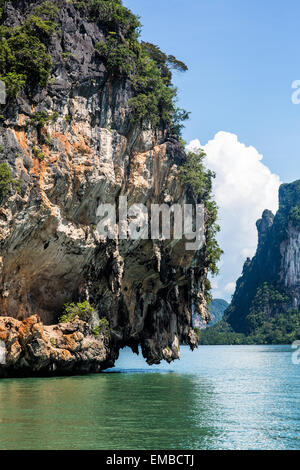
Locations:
{"points": [[217, 308], [92, 153], [30, 348], [275, 267]]}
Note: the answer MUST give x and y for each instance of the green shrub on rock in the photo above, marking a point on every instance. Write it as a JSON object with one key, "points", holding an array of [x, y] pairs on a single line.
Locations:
{"points": [[7, 182], [118, 57], [144, 64], [85, 312], [41, 118], [38, 153], [81, 309], [114, 15], [24, 60]]}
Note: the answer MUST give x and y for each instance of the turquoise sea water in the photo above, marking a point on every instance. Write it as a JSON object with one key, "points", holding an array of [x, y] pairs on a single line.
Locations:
{"points": [[218, 397]]}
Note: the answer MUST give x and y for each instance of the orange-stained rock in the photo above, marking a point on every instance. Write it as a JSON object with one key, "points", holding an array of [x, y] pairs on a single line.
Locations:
{"points": [[32, 348]]}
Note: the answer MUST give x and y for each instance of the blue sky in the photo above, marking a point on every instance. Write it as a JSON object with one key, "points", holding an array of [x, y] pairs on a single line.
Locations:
{"points": [[243, 56]]}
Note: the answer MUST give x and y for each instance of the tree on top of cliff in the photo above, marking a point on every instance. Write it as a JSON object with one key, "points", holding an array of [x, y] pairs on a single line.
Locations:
{"points": [[26, 59], [164, 62], [147, 67]]}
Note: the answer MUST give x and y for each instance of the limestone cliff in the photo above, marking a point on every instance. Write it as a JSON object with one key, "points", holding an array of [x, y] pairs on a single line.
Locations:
{"points": [[269, 287], [72, 144], [32, 348]]}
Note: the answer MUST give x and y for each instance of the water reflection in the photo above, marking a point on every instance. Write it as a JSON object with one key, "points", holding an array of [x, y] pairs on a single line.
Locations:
{"points": [[222, 397], [132, 410]]}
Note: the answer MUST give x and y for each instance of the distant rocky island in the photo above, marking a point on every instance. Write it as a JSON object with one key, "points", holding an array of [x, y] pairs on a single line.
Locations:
{"points": [[265, 307], [217, 309]]}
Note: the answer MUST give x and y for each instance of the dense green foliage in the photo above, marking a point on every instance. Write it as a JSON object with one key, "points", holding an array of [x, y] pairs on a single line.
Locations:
{"points": [[283, 328], [154, 99], [294, 214], [24, 61], [267, 302], [156, 94], [194, 174], [163, 61], [220, 333], [85, 312], [118, 57], [113, 15], [144, 64], [269, 322], [7, 182], [81, 309], [199, 179]]}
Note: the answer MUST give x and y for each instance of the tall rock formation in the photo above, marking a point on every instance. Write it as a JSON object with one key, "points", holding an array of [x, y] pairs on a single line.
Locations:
{"points": [[270, 283], [72, 142]]}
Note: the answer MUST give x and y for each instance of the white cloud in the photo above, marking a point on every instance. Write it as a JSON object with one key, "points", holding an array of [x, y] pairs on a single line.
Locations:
{"points": [[243, 188], [230, 287]]}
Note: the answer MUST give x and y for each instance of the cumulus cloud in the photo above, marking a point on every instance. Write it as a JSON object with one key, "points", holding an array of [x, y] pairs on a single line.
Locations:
{"points": [[243, 188]]}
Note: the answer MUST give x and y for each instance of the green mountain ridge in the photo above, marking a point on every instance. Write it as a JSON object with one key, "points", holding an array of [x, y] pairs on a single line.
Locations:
{"points": [[217, 309]]}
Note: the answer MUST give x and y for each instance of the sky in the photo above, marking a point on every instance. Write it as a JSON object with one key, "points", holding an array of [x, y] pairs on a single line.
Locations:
{"points": [[243, 57]]}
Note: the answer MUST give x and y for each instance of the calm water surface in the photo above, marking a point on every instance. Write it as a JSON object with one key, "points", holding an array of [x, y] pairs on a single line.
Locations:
{"points": [[219, 397]]}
